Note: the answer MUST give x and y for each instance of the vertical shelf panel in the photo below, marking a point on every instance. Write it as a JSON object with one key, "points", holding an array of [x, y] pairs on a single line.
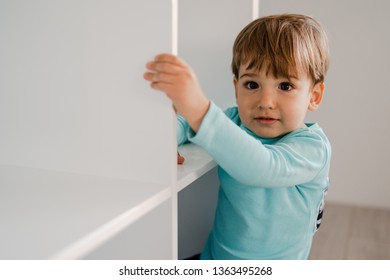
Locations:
{"points": [[81, 130], [72, 96]]}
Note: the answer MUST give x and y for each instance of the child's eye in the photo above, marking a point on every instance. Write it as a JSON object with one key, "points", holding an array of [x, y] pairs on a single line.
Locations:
{"points": [[286, 86], [251, 85]]}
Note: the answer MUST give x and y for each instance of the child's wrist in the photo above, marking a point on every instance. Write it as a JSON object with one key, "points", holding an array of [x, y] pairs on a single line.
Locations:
{"points": [[195, 115]]}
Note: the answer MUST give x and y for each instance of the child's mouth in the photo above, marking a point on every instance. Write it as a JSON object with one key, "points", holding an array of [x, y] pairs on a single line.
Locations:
{"points": [[266, 120]]}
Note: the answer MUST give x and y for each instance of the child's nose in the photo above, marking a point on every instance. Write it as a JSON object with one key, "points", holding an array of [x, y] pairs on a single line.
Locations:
{"points": [[266, 100]]}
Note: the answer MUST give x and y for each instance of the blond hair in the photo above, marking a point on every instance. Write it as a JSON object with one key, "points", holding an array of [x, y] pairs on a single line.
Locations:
{"points": [[285, 44]]}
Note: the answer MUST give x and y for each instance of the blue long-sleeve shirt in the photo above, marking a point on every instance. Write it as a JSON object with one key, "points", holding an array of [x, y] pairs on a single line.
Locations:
{"points": [[271, 190]]}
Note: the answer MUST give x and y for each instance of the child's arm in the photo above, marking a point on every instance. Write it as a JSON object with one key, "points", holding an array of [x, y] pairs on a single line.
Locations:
{"points": [[296, 159], [173, 76]]}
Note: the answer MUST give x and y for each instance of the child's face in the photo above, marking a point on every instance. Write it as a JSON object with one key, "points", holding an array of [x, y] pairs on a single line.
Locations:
{"points": [[272, 107]]}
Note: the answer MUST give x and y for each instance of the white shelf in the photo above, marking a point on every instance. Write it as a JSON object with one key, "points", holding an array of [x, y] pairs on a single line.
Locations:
{"points": [[197, 163], [50, 214]]}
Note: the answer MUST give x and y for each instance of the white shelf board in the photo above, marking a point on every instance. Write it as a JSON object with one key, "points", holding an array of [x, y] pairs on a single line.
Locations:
{"points": [[197, 163], [49, 214]]}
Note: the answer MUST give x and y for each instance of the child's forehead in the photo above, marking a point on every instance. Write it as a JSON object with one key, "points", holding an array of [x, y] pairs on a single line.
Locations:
{"points": [[270, 70]]}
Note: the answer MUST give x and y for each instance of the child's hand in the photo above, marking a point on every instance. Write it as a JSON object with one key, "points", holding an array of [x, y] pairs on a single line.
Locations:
{"points": [[180, 159], [173, 76]]}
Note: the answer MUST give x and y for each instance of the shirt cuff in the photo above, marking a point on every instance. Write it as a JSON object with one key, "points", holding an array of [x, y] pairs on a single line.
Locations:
{"points": [[205, 133]]}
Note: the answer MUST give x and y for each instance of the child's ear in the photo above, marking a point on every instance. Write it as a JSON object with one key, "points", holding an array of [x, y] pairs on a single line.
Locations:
{"points": [[235, 86], [316, 96]]}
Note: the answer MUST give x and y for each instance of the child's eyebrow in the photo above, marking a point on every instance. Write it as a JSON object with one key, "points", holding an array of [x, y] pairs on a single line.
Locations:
{"points": [[249, 74]]}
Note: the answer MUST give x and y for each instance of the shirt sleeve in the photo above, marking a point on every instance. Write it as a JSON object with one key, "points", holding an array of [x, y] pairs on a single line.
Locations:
{"points": [[293, 160], [181, 130]]}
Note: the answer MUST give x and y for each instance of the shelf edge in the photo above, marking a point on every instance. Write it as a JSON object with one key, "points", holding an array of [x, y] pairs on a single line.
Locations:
{"points": [[183, 182], [93, 240], [197, 163]]}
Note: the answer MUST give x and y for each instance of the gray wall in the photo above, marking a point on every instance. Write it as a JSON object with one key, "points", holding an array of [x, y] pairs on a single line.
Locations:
{"points": [[207, 30]]}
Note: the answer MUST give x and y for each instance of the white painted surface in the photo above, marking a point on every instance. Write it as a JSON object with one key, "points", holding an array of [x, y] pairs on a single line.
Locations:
{"points": [[50, 214], [197, 163], [72, 97], [86, 148]]}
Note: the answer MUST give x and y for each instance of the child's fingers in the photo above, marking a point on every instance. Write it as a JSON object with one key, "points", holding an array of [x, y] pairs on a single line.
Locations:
{"points": [[148, 76], [159, 77], [163, 86], [180, 158], [163, 67], [170, 58], [170, 89], [169, 74], [163, 82]]}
